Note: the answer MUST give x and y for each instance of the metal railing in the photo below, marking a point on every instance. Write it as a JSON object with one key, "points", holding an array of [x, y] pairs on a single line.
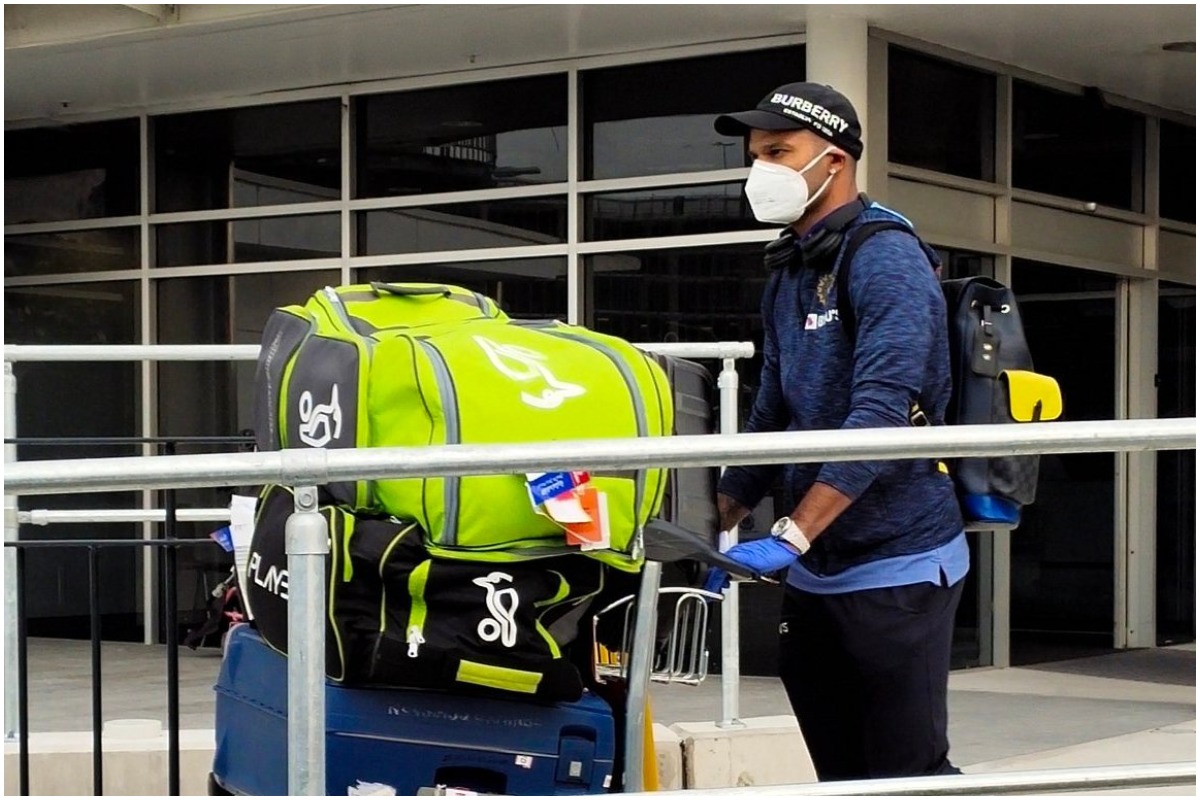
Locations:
{"points": [[727, 382], [307, 468], [94, 547], [168, 545]]}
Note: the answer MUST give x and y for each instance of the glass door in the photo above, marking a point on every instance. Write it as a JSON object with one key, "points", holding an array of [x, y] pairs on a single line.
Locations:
{"points": [[1176, 562], [1062, 554]]}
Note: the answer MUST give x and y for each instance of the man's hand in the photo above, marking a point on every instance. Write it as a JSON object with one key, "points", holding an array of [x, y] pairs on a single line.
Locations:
{"points": [[731, 512], [762, 556]]}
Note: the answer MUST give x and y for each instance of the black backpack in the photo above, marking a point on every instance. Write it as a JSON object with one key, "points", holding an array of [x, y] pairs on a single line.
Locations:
{"points": [[993, 382]]}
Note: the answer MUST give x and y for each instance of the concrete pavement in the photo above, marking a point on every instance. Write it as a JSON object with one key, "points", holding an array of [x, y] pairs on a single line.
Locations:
{"points": [[1122, 708]]}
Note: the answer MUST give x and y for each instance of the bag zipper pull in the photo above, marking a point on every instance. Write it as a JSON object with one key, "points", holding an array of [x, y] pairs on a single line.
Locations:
{"points": [[415, 640]]}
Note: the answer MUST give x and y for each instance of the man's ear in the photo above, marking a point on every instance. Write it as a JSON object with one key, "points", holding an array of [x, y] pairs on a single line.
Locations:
{"points": [[838, 161]]}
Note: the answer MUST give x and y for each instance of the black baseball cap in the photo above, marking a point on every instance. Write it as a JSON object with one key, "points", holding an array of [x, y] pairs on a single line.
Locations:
{"points": [[795, 106]]}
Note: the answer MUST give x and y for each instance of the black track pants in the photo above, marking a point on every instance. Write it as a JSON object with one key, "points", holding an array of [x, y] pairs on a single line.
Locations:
{"points": [[866, 673]]}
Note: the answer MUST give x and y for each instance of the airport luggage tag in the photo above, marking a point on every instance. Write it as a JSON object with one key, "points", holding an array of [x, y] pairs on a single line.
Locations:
{"points": [[223, 537], [595, 533], [558, 494]]}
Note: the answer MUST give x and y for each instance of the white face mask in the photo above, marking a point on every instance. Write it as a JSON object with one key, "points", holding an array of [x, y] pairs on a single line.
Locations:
{"points": [[779, 194]]}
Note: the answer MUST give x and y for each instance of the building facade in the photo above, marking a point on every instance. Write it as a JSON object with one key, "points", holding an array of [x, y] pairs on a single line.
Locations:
{"points": [[173, 176]]}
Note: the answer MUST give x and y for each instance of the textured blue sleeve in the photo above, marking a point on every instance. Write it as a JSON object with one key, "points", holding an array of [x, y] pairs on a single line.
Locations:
{"points": [[748, 484], [900, 312]]}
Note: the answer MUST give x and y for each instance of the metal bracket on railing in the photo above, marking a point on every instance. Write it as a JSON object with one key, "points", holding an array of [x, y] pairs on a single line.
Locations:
{"points": [[681, 658]]}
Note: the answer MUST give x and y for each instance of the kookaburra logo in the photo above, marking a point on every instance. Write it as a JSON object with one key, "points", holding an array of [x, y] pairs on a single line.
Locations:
{"points": [[274, 579], [523, 365], [502, 605], [320, 424]]}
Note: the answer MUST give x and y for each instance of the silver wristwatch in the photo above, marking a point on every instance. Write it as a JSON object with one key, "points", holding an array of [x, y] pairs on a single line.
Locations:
{"points": [[788, 531]]}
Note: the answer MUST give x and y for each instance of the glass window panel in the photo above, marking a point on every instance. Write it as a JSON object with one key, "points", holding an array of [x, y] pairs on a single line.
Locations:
{"points": [[239, 157], [671, 211], [248, 240], [77, 400], [1176, 550], [71, 172], [531, 288], [219, 309], [479, 136], [1177, 172], [924, 95], [965, 264], [215, 310], [78, 313], [656, 119], [72, 252], [463, 226], [1071, 325], [1077, 146], [704, 294]]}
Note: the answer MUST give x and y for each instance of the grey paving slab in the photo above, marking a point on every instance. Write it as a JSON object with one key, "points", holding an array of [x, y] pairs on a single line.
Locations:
{"points": [[1171, 666], [994, 714]]}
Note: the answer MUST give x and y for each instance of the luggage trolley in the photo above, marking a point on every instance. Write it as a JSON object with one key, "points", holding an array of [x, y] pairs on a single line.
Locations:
{"points": [[384, 741]]}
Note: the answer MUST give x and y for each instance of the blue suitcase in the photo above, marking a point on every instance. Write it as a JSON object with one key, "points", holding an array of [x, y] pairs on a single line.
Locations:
{"points": [[406, 740]]}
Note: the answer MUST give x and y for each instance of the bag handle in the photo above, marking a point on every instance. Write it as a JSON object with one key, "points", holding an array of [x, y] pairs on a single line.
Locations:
{"points": [[379, 287]]}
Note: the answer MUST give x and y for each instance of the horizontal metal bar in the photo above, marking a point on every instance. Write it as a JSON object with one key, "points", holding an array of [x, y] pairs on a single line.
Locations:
{"points": [[306, 467], [450, 198], [243, 213], [249, 352], [677, 180], [40, 544], [130, 352], [928, 176], [1090, 779], [472, 256], [701, 350], [53, 516], [71, 226], [99, 441], [672, 242]]}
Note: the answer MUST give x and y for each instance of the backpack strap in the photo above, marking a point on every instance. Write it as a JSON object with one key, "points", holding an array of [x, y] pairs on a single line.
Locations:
{"points": [[863, 232]]}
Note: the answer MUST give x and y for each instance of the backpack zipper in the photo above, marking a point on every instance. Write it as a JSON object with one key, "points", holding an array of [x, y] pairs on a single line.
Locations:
{"points": [[449, 400], [416, 616]]}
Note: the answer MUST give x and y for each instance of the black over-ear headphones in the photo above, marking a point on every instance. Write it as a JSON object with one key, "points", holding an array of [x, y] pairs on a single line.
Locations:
{"points": [[819, 250]]}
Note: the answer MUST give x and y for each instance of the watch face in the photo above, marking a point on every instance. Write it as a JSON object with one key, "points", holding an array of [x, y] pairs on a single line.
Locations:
{"points": [[780, 527]]}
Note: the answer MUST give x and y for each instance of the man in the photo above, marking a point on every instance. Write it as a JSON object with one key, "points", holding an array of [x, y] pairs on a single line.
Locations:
{"points": [[875, 551]]}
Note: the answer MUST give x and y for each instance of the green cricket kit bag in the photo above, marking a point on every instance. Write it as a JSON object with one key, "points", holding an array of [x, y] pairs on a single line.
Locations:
{"points": [[311, 386], [400, 616], [398, 365], [993, 382], [497, 383]]}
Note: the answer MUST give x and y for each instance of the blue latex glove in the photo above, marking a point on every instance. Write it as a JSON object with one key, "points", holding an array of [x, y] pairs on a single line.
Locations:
{"points": [[716, 581], [762, 556]]}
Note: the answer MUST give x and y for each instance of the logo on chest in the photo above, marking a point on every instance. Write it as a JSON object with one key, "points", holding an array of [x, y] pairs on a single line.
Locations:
{"points": [[816, 321]]}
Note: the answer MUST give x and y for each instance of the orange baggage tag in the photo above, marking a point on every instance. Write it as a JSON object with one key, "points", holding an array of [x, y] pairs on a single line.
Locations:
{"points": [[593, 534]]}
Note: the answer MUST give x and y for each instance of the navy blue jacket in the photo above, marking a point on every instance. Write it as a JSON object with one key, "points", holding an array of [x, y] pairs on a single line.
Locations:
{"points": [[815, 378]]}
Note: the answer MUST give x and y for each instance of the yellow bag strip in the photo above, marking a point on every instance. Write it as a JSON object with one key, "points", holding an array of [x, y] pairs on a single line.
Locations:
{"points": [[1032, 397]]}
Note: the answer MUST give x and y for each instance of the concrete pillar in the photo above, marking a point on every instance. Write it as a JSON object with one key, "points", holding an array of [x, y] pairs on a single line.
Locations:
{"points": [[1136, 538], [835, 47]]}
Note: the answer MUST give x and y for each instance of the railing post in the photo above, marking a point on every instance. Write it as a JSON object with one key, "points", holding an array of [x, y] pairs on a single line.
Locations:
{"points": [[170, 562], [12, 532], [727, 383], [641, 663], [97, 681], [307, 549]]}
